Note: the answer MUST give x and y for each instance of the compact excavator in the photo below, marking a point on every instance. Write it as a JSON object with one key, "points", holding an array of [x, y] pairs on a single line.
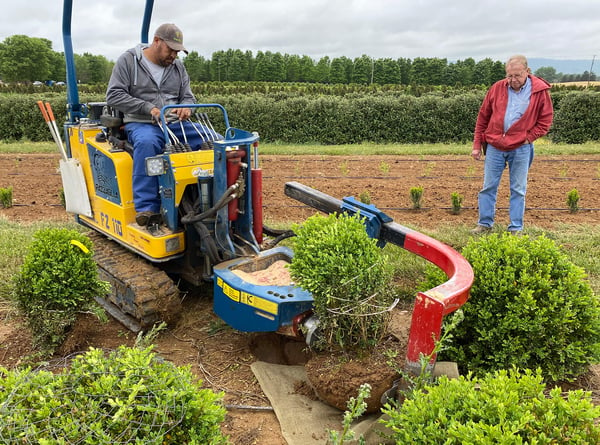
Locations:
{"points": [[211, 228]]}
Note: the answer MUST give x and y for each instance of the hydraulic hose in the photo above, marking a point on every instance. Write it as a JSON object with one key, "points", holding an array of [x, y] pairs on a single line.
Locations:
{"points": [[205, 236], [228, 196], [279, 235], [208, 241]]}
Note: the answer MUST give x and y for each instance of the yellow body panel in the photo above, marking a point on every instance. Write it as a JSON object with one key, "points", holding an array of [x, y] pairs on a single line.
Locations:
{"points": [[111, 195], [188, 166]]}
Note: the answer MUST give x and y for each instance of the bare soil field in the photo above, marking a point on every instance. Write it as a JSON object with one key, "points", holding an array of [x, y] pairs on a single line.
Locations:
{"points": [[220, 356], [385, 180]]}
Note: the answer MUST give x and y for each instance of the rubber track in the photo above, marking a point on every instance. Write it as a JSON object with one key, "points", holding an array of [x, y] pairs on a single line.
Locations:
{"points": [[139, 289]]}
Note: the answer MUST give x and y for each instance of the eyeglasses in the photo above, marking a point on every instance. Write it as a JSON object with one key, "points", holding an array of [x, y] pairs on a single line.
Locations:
{"points": [[515, 76]]}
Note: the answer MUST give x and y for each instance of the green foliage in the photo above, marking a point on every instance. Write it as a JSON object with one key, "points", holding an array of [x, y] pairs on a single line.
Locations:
{"points": [[343, 268], [129, 396], [500, 408], [364, 197], [573, 200], [576, 121], [416, 195], [20, 116], [326, 114], [25, 58], [146, 339], [457, 200], [529, 307], [291, 116], [356, 408], [6, 197], [384, 167], [58, 279]]}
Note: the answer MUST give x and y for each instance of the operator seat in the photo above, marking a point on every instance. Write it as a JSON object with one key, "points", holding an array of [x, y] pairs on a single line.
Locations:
{"points": [[112, 119]]}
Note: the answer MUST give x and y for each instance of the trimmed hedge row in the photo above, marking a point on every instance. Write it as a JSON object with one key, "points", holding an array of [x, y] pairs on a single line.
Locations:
{"points": [[297, 118]]}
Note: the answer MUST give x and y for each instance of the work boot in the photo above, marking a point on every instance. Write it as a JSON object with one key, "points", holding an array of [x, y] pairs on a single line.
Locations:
{"points": [[148, 218], [481, 230]]}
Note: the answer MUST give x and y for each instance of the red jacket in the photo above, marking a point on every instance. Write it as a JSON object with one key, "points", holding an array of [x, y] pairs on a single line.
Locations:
{"points": [[534, 123]]}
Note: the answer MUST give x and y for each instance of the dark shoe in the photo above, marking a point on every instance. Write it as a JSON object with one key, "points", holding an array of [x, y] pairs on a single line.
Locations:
{"points": [[516, 232], [148, 218], [481, 230]]}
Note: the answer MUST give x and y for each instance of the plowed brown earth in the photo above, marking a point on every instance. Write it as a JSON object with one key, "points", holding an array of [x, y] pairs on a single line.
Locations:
{"points": [[220, 356], [387, 180]]}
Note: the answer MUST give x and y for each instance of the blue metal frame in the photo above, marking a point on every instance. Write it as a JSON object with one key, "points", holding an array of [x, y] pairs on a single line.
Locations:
{"points": [[76, 110], [374, 218], [243, 224], [146, 20], [234, 137]]}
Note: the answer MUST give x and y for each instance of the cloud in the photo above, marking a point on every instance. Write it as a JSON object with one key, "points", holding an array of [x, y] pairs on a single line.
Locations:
{"points": [[378, 28]]}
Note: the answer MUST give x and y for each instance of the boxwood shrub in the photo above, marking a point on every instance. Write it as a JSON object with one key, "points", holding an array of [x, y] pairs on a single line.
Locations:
{"points": [[529, 307], [130, 396], [343, 268], [58, 279], [577, 119], [504, 407], [340, 116]]}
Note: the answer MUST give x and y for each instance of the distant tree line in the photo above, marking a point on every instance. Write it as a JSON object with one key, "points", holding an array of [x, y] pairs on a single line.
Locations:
{"points": [[237, 65], [27, 59], [549, 73]]}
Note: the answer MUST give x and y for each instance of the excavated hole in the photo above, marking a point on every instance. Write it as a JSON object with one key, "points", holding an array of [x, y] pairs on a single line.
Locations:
{"points": [[278, 349]]}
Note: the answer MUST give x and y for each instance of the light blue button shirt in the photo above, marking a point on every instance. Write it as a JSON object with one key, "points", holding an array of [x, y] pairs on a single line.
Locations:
{"points": [[518, 101]]}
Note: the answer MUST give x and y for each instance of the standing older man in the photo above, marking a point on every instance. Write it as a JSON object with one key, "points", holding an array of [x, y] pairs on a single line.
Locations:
{"points": [[515, 112], [144, 79]]}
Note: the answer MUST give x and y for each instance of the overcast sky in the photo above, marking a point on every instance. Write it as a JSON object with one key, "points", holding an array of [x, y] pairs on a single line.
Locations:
{"points": [[452, 29]]}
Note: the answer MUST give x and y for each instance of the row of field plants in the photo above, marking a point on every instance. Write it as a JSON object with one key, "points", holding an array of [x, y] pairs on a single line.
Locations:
{"points": [[376, 115]]}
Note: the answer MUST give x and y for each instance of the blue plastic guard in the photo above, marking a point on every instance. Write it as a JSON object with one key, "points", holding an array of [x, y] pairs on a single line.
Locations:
{"points": [[257, 308]]}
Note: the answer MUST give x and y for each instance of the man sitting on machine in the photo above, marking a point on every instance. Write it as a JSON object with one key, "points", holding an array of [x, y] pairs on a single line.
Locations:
{"points": [[145, 79]]}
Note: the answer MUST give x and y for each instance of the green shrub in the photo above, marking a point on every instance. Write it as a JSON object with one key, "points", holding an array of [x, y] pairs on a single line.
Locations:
{"points": [[58, 279], [457, 200], [529, 307], [573, 200], [500, 408], [364, 197], [343, 268], [129, 396], [576, 121], [6, 197], [416, 195]]}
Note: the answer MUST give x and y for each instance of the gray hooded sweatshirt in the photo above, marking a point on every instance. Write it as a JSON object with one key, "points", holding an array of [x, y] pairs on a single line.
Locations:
{"points": [[133, 91]]}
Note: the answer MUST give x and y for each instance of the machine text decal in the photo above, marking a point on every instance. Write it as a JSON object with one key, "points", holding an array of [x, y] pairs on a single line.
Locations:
{"points": [[111, 224], [247, 299]]}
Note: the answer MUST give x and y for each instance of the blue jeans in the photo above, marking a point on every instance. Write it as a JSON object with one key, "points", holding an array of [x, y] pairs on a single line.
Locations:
{"points": [[518, 162], [148, 140]]}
